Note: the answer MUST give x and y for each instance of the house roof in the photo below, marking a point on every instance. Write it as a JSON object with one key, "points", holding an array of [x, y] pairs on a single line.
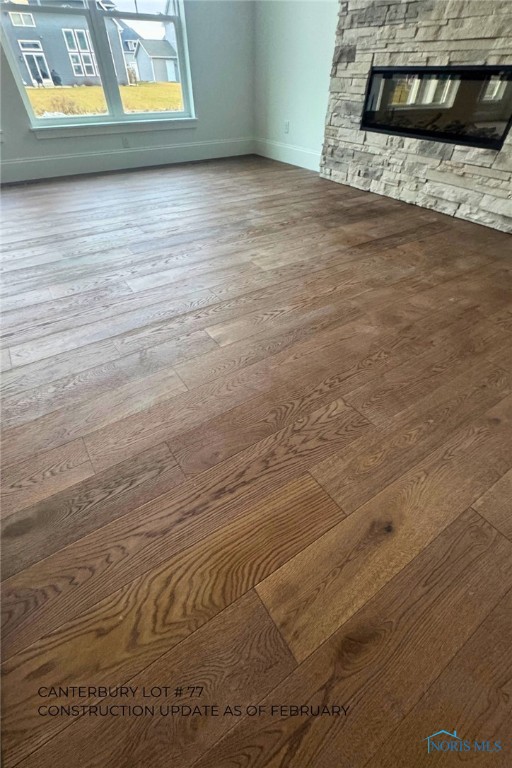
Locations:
{"points": [[128, 33], [158, 48]]}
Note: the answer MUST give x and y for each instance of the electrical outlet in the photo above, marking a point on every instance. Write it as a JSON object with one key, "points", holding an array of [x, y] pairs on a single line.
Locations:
{"points": [[287, 126], [125, 142]]}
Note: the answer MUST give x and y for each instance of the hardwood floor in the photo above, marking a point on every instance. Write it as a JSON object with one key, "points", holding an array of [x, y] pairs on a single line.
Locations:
{"points": [[257, 448]]}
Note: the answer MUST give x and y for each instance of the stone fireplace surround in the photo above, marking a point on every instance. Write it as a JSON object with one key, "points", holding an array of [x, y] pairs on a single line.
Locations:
{"points": [[466, 182]]}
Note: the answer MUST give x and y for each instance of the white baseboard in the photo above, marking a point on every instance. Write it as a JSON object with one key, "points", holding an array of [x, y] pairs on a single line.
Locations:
{"points": [[42, 167], [288, 153]]}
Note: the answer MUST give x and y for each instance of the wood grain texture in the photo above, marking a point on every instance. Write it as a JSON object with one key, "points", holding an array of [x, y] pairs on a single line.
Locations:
{"points": [[51, 369], [103, 379], [382, 661], [496, 504], [88, 416], [25, 299], [210, 658], [364, 468], [70, 313], [164, 606], [352, 561], [251, 422], [63, 341], [43, 475], [39, 530], [257, 435], [408, 383], [473, 691], [147, 536]]}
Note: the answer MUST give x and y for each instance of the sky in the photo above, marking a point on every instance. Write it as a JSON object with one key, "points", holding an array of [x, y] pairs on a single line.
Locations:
{"points": [[151, 30]]}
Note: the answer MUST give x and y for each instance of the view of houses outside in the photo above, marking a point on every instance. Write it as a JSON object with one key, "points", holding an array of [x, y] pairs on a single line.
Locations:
{"points": [[58, 67]]}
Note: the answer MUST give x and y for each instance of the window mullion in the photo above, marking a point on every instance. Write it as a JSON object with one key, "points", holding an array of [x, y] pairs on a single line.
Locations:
{"points": [[183, 65], [101, 46]]}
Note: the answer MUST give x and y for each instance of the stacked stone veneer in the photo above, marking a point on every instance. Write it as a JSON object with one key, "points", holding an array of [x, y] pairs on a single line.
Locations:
{"points": [[467, 182]]}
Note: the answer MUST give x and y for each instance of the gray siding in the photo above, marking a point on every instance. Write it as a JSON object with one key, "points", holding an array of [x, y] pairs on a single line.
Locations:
{"points": [[144, 64], [48, 32]]}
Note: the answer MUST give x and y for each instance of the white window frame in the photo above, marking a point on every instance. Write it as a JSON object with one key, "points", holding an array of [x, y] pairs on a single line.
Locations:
{"points": [[77, 55], [66, 42], [23, 18], [41, 55], [493, 90], [427, 90], [101, 54], [129, 44], [35, 46]]}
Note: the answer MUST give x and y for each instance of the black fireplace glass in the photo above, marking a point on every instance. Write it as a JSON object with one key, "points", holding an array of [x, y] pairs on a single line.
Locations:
{"points": [[461, 105]]}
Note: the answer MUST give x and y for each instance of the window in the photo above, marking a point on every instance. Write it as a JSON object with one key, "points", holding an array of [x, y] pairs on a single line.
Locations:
{"points": [[495, 89], [83, 62], [30, 45], [424, 91], [98, 61], [22, 20], [69, 37]]}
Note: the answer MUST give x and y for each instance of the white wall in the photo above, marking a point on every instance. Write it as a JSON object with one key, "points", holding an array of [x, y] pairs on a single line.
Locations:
{"points": [[221, 47], [294, 49]]}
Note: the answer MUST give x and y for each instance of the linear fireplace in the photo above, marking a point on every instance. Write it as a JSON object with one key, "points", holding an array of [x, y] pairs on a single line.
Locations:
{"points": [[460, 104]]}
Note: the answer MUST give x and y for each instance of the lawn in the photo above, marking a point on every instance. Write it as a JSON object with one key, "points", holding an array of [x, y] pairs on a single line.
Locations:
{"points": [[90, 100]]}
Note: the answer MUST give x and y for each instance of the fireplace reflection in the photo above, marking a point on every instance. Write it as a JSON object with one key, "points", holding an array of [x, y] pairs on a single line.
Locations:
{"points": [[464, 105]]}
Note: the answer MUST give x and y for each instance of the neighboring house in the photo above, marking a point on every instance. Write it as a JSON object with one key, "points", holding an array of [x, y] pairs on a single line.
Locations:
{"points": [[157, 61], [129, 40], [62, 44]]}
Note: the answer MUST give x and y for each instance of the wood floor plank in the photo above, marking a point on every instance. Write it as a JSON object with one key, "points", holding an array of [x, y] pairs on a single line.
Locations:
{"points": [[228, 434], [267, 293], [205, 274], [257, 434], [503, 319], [44, 474], [302, 341], [496, 504], [472, 693], [99, 380], [189, 409], [165, 605], [64, 341], [83, 285], [35, 277], [404, 385], [488, 289], [351, 562], [37, 531], [148, 536], [209, 659], [70, 311], [98, 246], [25, 299], [51, 369], [283, 319], [381, 661], [204, 403], [66, 424], [375, 460]]}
